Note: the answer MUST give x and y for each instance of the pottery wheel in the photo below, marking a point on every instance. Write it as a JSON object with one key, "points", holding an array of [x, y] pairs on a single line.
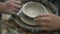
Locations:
{"points": [[31, 26]]}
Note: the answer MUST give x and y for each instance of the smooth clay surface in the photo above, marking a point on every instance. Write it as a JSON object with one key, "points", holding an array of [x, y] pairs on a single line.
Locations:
{"points": [[33, 9]]}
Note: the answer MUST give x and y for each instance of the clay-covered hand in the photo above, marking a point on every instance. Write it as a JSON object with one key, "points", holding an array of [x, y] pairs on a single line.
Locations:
{"points": [[11, 6], [48, 22]]}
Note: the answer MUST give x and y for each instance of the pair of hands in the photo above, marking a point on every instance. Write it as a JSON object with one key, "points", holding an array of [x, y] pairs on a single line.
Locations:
{"points": [[46, 21]]}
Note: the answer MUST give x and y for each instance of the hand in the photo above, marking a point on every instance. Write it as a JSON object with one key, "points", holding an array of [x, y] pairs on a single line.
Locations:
{"points": [[11, 6], [48, 22]]}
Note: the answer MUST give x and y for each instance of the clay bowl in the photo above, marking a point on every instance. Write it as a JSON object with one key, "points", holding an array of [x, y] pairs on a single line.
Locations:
{"points": [[30, 10], [33, 9], [27, 20]]}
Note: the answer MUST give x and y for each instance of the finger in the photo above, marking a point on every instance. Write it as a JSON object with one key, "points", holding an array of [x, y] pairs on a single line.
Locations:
{"points": [[43, 19], [42, 24], [12, 0], [44, 28], [17, 6], [43, 15], [15, 10], [12, 4], [11, 11], [17, 2]]}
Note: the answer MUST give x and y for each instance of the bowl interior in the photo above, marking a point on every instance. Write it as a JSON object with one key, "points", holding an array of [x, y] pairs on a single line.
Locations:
{"points": [[33, 9]]}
